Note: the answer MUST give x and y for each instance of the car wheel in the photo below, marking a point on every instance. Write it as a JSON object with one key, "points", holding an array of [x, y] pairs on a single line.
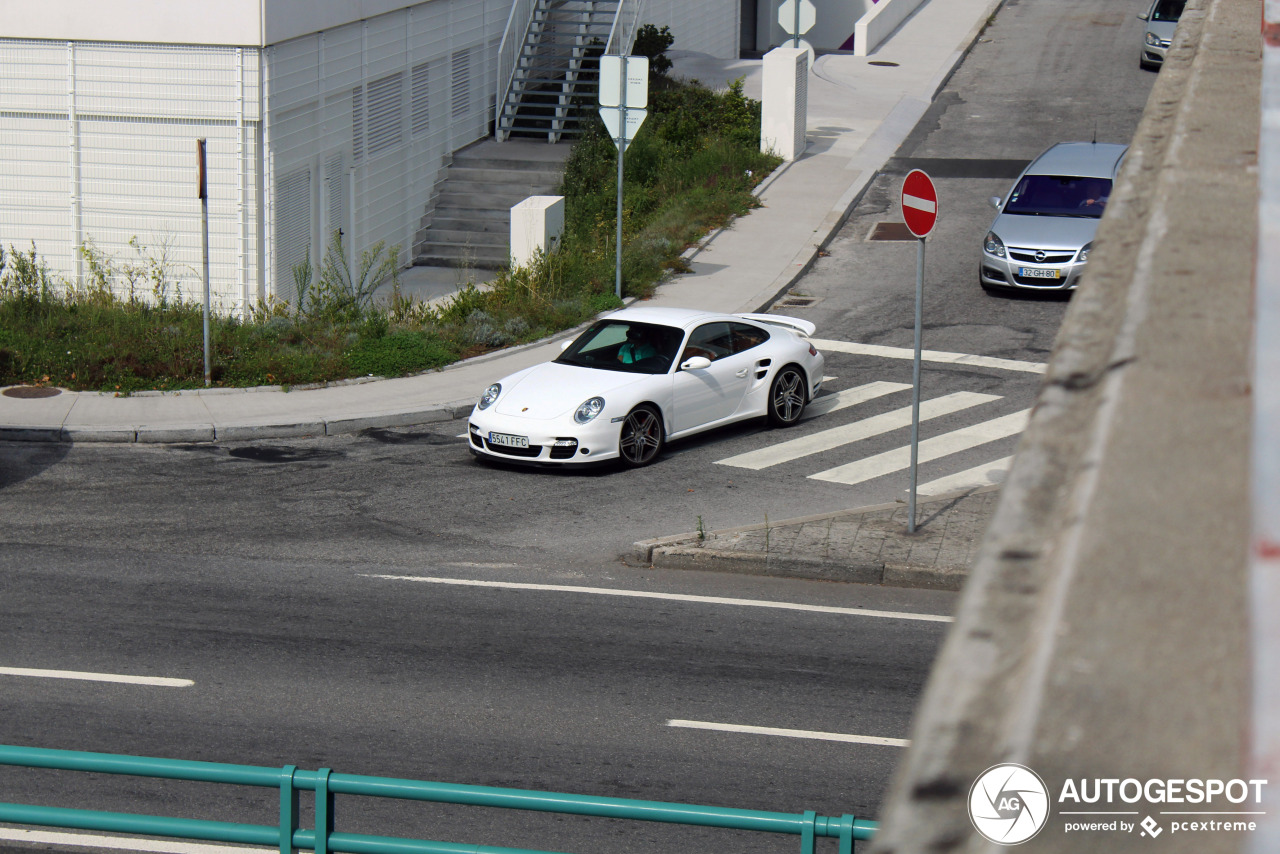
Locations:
{"points": [[787, 397], [642, 436]]}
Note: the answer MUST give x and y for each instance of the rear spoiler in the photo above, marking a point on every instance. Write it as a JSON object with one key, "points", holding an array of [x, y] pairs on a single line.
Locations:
{"points": [[795, 324]]}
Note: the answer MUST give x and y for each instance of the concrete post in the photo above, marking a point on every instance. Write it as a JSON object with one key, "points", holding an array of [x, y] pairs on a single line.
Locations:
{"points": [[785, 102], [536, 225]]}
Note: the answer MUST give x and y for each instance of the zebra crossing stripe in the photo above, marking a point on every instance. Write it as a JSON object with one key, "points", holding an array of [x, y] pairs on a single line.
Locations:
{"points": [[927, 356], [825, 440], [899, 459], [851, 397], [984, 475]]}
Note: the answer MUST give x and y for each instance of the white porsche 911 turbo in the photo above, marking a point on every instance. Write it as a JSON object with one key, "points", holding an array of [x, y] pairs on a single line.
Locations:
{"points": [[640, 377]]}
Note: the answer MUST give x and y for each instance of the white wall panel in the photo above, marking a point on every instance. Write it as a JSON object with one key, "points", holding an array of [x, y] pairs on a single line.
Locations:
{"points": [[389, 109], [97, 139], [707, 26], [111, 157]]}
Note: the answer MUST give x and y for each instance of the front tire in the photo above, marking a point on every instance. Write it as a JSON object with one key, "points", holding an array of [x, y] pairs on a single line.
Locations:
{"points": [[787, 397], [642, 437]]}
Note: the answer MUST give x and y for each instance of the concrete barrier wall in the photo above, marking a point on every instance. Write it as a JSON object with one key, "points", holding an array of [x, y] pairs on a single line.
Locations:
{"points": [[1104, 631], [879, 23]]}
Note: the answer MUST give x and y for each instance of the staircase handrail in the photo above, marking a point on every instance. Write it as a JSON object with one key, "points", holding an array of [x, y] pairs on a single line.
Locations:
{"points": [[508, 54], [626, 20]]}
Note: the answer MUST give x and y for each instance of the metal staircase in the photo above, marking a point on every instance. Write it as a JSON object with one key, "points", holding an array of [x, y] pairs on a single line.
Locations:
{"points": [[548, 78], [551, 77]]}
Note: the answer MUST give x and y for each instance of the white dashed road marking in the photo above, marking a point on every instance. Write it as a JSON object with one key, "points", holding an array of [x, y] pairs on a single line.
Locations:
{"points": [[792, 733], [670, 597], [154, 681], [899, 459], [825, 440]]}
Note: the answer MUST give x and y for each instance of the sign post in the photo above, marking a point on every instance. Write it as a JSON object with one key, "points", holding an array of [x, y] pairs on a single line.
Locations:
{"points": [[624, 94], [920, 212], [797, 17], [204, 219]]}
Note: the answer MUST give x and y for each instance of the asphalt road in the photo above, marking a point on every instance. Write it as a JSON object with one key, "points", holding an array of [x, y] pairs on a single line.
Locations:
{"points": [[249, 568], [367, 669]]}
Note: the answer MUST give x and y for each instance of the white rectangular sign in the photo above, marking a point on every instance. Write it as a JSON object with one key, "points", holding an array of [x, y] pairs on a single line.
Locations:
{"points": [[613, 70]]}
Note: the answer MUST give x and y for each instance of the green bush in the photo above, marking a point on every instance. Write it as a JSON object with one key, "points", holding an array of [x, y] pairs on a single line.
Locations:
{"points": [[399, 354], [691, 168]]}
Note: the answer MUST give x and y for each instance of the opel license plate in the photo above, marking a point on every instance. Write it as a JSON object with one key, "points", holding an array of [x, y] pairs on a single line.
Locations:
{"points": [[1037, 273], [508, 441]]}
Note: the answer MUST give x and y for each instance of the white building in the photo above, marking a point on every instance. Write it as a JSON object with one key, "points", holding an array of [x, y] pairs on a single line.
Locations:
{"points": [[320, 115]]}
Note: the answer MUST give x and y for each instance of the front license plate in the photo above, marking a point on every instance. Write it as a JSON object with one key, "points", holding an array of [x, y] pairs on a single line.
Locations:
{"points": [[508, 441], [1036, 273]]}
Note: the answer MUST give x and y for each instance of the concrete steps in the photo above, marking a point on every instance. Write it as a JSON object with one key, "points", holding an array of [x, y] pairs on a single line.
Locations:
{"points": [[468, 223]]}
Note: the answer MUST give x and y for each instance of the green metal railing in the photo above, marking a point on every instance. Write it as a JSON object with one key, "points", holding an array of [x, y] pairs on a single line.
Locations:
{"points": [[289, 837]]}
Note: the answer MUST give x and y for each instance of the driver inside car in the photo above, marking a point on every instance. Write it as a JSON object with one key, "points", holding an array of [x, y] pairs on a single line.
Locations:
{"points": [[638, 345]]}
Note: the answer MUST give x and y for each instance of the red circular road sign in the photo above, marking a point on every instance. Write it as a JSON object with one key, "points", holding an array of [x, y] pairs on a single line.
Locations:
{"points": [[919, 203]]}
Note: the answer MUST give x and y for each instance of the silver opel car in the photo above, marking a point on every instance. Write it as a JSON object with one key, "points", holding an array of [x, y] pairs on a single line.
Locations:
{"points": [[1161, 20], [1044, 229]]}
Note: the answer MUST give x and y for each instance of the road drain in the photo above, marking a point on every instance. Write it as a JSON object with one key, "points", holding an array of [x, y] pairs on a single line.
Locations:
{"points": [[797, 301], [30, 392], [891, 231]]}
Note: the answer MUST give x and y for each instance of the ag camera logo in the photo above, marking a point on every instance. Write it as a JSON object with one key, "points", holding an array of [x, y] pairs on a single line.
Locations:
{"points": [[1008, 804]]}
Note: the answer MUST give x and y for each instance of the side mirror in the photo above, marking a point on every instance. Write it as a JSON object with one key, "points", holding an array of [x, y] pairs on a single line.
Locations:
{"points": [[695, 363], [995, 202], [564, 345], [1144, 17]]}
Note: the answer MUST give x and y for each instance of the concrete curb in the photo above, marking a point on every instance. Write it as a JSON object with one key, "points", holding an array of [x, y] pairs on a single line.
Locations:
{"points": [[196, 433], [695, 551]]}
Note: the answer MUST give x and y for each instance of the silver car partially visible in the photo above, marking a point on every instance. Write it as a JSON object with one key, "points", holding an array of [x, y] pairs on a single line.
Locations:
{"points": [[1162, 20], [1042, 235]]}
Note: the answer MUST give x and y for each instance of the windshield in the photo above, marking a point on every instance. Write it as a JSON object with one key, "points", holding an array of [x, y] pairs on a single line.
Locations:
{"points": [[1058, 195], [1168, 10], [623, 345]]}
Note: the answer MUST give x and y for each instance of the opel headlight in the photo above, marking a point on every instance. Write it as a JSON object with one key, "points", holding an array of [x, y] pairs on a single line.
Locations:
{"points": [[994, 245], [490, 395], [1153, 40], [1083, 255], [589, 410]]}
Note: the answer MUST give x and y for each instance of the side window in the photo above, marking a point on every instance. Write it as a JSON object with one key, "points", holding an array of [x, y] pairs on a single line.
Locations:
{"points": [[711, 340], [746, 336]]}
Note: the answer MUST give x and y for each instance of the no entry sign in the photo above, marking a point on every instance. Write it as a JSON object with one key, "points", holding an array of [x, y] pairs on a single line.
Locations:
{"points": [[919, 203]]}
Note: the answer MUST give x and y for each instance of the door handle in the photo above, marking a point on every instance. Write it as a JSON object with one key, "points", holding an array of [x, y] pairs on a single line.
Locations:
{"points": [[743, 372]]}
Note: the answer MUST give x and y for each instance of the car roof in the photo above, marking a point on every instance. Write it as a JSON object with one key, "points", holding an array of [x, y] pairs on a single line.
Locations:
{"points": [[679, 317], [1082, 159]]}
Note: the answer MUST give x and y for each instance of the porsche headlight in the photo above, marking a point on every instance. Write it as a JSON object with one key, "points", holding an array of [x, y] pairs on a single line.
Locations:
{"points": [[490, 395], [589, 410]]}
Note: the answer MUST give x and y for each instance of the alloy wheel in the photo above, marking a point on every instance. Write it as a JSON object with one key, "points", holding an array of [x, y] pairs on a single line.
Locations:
{"points": [[787, 397], [641, 438]]}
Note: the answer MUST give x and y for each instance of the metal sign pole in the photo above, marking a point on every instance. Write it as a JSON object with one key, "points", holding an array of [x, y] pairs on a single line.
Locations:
{"points": [[622, 144], [915, 386], [204, 218]]}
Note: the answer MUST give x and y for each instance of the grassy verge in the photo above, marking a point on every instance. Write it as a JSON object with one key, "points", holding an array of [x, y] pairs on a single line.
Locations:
{"points": [[690, 170]]}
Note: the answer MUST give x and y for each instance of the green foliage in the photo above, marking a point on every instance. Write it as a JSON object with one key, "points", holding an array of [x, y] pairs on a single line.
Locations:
{"points": [[399, 353], [653, 43], [690, 169], [129, 327], [345, 293]]}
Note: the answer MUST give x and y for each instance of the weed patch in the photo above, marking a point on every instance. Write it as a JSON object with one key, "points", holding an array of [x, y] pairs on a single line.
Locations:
{"points": [[129, 326]]}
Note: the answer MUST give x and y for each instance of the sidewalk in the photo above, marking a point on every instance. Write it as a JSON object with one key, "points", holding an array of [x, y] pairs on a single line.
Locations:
{"points": [[858, 114], [869, 545]]}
